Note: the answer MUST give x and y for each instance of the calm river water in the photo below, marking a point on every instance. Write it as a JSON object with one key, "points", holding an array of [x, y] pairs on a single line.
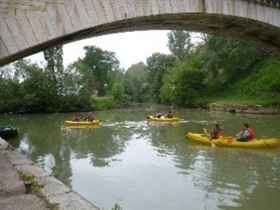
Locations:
{"points": [[144, 165]]}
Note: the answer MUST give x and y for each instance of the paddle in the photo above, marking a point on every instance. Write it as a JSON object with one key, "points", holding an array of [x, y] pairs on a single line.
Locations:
{"points": [[205, 131], [207, 134]]}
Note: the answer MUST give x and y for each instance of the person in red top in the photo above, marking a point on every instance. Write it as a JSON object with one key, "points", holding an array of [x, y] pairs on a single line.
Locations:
{"points": [[89, 117], [247, 134], [169, 115], [158, 115], [251, 132], [76, 118], [216, 132]]}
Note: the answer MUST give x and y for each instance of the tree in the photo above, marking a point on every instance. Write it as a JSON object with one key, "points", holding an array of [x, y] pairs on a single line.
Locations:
{"points": [[226, 60], [135, 82], [118, 92], [54, 68], [36, 86], [10, 96], [96, 67], [157, 65], [183, 85], [40, 95], [54, 73], [179, 43]]}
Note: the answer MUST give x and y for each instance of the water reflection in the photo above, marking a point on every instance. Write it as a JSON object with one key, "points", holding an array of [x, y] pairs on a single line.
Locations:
{"points": [[151, 165]]}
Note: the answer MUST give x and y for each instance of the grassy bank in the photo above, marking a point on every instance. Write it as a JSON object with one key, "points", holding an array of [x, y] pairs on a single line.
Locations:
{"points": [[249, 101], [108, 102], [262, 86]]}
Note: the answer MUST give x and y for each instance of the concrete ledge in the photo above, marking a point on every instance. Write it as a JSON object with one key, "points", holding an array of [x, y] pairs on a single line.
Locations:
{"points": [[5, 165], [71, 201], [16, 158], [243, 108], [10, 183], [32, 170], [12, 189], [22, 202], [3, 144], [53, 187]]}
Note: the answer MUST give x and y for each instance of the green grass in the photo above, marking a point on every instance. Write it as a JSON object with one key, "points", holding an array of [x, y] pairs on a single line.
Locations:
{"points": [[36, 185], [261, 87], [249, 101], [106, 102], [54, 206], [37, 189]]}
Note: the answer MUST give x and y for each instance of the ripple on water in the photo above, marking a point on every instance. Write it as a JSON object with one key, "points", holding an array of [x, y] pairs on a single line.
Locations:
{"points": [[135, 125], [150, 165]]}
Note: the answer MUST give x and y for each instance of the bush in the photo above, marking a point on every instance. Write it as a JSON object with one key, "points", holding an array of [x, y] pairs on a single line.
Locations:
{"points": [[183, 86], [263, 82], [105, 102], [262, 86]]}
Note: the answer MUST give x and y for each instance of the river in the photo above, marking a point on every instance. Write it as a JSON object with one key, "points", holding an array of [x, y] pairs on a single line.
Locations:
{"points": [[146, 165]]}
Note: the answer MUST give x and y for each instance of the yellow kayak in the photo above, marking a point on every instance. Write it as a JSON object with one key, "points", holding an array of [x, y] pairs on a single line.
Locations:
{"points": [[163, 119], [254, 144], [81, 123], [232, 142], [197, 137]]}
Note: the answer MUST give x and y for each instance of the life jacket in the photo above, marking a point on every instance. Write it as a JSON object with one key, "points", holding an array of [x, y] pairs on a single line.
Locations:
{"points": [[219, 133], [158, 115], [251, 134], [90, 119], [169, 115], [76, 119]]}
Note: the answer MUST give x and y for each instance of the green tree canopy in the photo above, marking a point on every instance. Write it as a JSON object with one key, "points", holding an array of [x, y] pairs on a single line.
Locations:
{"points": [[54, 68], [179, 43], [226, 60], [183, 85], [135, 82], [157, 65], [96, 67]]}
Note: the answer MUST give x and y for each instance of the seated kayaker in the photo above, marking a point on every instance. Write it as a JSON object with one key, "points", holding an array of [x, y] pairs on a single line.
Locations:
{"points": [[76, 118], [216, 132], [247, 134], [169, 115], [89, 117], [158, 115]]}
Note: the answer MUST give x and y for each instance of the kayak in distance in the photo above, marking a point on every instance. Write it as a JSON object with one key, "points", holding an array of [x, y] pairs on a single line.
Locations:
{"points": [[81, 123], [163, 119], [233, 142]]}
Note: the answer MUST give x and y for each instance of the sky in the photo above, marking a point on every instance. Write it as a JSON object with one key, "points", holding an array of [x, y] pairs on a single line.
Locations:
{"points": [[129, 47]]}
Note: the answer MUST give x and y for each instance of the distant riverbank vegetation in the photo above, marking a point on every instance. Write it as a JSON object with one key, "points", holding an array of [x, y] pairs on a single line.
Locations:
{"points": [[193, 75]]}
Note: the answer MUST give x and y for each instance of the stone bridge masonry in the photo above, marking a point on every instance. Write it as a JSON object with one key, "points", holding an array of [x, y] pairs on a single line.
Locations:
{"points": [[30, 26]]}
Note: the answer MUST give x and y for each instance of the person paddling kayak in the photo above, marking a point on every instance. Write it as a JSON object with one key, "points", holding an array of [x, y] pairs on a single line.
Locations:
{"points": [[158, 114], [247, 134], [76, 118], [216, 132], [89, 118], [169, 115]]}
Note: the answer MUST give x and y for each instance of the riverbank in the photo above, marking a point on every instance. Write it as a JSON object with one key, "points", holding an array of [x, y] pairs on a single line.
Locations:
{"points": [[245, 108], [18, 175]]}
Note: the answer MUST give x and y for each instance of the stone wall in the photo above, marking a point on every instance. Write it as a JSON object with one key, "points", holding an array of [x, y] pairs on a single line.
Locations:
{"points": [[252, 109], [29, 26], [269, 3], [53, 192]]}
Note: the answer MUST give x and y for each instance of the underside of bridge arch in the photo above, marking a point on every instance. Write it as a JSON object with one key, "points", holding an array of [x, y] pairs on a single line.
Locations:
{"points": [[258, 34]]}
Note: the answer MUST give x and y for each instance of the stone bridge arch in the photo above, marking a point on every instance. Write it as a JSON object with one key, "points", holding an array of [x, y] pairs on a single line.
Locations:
{"points": [[29, 26]]}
